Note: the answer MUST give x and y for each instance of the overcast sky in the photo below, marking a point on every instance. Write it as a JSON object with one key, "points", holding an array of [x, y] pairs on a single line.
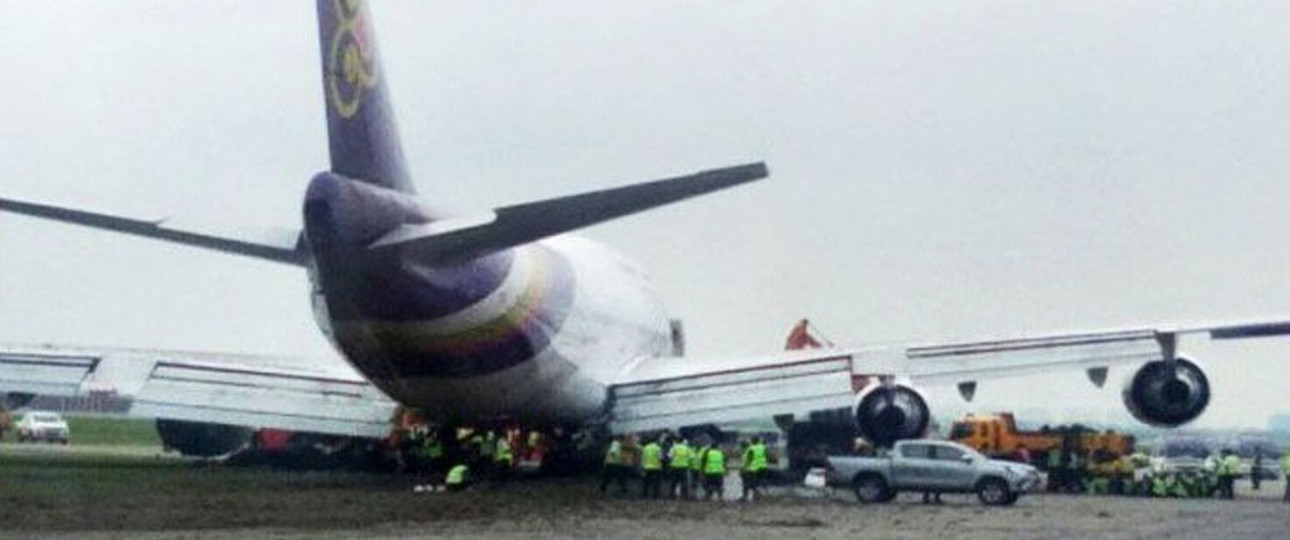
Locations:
{"points": [[940, 170]]}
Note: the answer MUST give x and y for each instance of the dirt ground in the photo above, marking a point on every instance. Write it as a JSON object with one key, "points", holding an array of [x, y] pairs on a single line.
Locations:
{"points": [[62, 496]]}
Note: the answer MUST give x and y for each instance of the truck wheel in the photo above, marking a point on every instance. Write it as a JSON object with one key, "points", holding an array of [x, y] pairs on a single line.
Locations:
{"points": [[872, 489], [994, 492]]}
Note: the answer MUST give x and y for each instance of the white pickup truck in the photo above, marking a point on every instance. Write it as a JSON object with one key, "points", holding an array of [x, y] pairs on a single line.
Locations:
{"points": [[938, 466]]}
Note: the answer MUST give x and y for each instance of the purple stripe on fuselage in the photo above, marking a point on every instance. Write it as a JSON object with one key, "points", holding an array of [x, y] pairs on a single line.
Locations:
{"points": [[505, 341]]}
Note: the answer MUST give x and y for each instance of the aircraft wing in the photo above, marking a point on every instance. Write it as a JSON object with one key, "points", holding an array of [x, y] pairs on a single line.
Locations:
{"points": [[963, 363], [278, 245], [204, 387], [671, 392]]}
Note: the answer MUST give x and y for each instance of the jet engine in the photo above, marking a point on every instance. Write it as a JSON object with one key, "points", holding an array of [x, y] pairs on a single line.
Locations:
{"points": [[1167, 394], [202, 439], [886, 413]]}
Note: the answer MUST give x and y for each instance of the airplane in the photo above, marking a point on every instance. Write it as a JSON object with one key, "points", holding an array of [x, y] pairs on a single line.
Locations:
{"points": [[479, 317]]}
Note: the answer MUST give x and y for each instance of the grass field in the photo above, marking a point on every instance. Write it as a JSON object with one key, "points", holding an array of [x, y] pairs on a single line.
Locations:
{"points": [[97, 492], [95, 430], [116, 495], [105, 430]]}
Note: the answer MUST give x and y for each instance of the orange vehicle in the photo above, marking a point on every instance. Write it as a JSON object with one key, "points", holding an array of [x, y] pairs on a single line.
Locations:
{"points": [[997, 435]]}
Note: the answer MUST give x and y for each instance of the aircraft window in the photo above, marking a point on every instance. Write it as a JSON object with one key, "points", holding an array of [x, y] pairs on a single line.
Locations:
{"points": [[948, 453], [917, 451]]}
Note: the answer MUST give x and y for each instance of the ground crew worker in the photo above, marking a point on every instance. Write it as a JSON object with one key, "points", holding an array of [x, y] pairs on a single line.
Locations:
{"points": [[631, 455], [1053, 464], [1285, 473], [1100, 481], [754, 468], [534, 445], [1222, 474], [503, 457], [476, 445], [614, 471], [1175, 486], [6, 421], [1123, 479], [457, 477], [714, 472], [681, 459], [696, 469], [434, 453], [1229, 467], [1255, 480], [1075, 472], [487, 447], [1203, 486], [1159, 485], [652, 466]]}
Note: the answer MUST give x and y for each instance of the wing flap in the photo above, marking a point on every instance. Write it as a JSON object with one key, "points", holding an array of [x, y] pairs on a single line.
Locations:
{"points": [[263, 399], [44, 374], [1013, 358], [792, 384], [251, 391]]}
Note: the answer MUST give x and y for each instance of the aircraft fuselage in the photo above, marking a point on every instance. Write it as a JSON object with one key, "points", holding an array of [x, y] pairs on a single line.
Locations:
{"points": [[535, 333]]}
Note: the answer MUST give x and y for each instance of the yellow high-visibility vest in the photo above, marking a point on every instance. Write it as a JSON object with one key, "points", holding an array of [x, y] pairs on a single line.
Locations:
{"points": [[614, 456], [456, 475], [1230, 466], [714, 462], [652, 457], [502, 454], [755, 457], [681, 456]]}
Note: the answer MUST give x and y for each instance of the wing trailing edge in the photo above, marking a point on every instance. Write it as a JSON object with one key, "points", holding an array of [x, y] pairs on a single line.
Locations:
{"points": [[460, 239]]}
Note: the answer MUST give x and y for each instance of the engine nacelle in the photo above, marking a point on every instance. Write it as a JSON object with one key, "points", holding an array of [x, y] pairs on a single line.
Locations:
{"points": [[889, 413], [1167, 396], [202, 439]]}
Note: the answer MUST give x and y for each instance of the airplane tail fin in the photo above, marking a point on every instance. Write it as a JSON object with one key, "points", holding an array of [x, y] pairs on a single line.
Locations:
{"points": [[362, 135]]}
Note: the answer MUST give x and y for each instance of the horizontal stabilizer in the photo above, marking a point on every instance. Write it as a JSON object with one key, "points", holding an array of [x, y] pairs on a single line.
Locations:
{"points": [[279, 245], [456, 240]]}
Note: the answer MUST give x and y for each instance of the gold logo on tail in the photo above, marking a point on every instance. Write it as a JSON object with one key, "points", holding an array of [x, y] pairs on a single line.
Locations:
{"points": [[351, 69]]}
